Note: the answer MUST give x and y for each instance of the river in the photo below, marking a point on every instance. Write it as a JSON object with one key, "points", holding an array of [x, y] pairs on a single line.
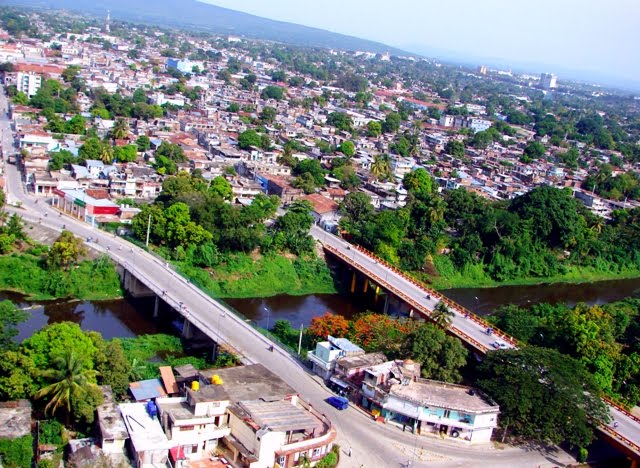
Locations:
{"points": [[132, 317]]}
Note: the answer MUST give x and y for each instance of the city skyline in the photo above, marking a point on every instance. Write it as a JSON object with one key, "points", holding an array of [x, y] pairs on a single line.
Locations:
{"points": [[561, 37]]}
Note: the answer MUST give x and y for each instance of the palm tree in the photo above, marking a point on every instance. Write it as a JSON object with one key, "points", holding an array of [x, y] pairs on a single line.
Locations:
{"points": [[71, 379], [442, 315], [106, 153], [381, 166], [120, 130]]}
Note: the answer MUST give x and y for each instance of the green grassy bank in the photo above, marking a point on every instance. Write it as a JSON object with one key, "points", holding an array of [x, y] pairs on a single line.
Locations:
{"points": [[243, 276]]}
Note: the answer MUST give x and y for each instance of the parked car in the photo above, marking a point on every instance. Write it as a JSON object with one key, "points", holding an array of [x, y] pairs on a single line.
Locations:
{"points": [[338, 402], [499, 344]]}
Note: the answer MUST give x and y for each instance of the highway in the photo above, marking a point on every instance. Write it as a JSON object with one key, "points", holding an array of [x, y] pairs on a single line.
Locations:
{"points": [[372, 444]]}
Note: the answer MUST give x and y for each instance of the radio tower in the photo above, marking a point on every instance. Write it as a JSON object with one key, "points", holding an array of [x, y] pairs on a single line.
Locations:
{"points": [[107, 27]]}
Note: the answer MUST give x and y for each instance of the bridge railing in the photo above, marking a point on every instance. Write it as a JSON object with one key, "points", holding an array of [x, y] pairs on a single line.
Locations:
{"points": [[624, 440], [472, 316], [416, 305]]}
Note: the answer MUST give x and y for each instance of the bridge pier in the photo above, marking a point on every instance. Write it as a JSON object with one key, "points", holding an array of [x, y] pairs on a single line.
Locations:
{"points": [[366, 286], [215, 351], [387, 299], [187, 331], [155, 307], [353, 283], [133, 286]]}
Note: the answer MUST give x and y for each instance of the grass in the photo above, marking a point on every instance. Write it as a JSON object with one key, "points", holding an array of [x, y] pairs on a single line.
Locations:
{"points": [[89, 280], [242, 276], [150, 352], [474, 276]]}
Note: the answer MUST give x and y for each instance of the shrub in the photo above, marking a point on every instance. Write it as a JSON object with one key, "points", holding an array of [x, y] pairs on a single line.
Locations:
{"points": [[17, 453]]}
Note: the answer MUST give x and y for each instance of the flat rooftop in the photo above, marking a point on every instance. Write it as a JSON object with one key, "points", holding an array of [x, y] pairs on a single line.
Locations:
{"points": [[444, 395], [15, 419], [280, 416], [145, 432], [362, 360], [242, 383]]}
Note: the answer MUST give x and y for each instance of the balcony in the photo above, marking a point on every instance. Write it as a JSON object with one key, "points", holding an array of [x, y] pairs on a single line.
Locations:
{"points": [[319, 362]]}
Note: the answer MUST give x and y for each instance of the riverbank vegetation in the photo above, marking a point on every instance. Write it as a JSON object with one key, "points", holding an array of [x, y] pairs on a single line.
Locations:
{"points": [[60, 367], [232, 250], [460, 239], [605, 339]]}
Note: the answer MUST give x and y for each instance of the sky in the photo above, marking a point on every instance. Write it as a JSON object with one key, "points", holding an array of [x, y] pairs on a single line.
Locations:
{"points": [[599, 38]]}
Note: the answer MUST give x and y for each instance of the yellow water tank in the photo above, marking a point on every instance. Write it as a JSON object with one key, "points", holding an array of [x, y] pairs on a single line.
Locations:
{"points": [[216, 380], [195, 385]]}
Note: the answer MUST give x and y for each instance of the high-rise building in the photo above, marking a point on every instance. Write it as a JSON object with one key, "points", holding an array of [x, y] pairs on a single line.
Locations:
{"points": [[482, 69], [29, 83], [548, 81], [107, 26]]}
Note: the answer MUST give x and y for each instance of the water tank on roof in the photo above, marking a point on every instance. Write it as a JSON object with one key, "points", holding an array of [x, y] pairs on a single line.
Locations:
{"points": [[195, 385], [216, 380], [152, 409]]}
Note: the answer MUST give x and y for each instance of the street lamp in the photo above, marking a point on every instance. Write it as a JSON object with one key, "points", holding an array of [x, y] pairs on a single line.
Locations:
{"points": [[268, 315]]}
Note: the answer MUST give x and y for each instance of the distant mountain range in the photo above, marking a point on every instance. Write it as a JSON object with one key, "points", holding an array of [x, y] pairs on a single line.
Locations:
{"points": [[198, 16]]}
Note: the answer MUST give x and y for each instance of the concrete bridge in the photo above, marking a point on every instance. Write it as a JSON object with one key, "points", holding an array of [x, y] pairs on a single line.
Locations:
{"points": [[624, 429]]}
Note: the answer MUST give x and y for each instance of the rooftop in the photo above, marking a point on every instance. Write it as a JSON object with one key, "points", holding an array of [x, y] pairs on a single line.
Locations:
{"points": [[15, 419], [242, 383], [444, 395], [344, 344], [361, 360], [147, 389], [145, 432], [280, 416]]}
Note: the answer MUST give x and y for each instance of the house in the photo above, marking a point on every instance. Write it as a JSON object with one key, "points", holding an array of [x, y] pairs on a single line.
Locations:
{"points": [[246, 411], [395, 392], [15, 419], [113, 432], [325, 210], [327, 353], [84, 206], [148, 443]]}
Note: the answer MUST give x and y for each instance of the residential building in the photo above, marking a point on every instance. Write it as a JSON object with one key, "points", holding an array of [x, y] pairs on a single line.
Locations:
{"points": [[395, 392], [548, 81], [29, 83], [325, 210], [82, 205], [113, 432], [148, 443], [327, 353]]}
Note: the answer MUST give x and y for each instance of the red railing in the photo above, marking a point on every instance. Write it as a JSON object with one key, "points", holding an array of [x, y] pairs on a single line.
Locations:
{"points": [[416, 305], [470, 315]]}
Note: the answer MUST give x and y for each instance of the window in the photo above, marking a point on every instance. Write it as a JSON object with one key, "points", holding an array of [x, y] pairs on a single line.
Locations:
{"points": [[186, 428], [280, 461], [316, 452]]}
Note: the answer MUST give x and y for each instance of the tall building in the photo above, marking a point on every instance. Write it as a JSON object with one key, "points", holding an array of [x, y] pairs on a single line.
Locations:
{"points": [[107, 26], [482, 69], [28, 82], [548, 81]]}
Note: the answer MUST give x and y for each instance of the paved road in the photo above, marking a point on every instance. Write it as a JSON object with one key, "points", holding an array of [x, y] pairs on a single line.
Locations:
{"points": [[373, 445], [622, 423]]}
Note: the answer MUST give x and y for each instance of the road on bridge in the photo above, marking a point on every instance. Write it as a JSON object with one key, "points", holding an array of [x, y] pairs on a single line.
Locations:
{"points": [[373, 444]]}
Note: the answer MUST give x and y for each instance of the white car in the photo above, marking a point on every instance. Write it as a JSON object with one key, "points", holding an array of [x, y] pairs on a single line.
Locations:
{"points": [[499, 344]]}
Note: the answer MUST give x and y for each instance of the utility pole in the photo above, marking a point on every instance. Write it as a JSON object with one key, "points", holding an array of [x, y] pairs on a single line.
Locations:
{"points": [[148, 231], [300, 339]]}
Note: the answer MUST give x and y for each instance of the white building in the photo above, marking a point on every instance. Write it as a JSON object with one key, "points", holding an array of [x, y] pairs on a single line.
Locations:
{"points": [[149, 445], [29, 83], [548, 81], [328, 352], [478, 125]]}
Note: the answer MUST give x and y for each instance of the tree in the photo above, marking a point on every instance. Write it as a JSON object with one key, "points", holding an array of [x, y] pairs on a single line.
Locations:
{"points": [[91, 149], [374, 128], [455, 148], [10, 317], [272, 92], [348, 148], [128, 153], [65, 251], [120, 130], [220, 187], [249, 138], [419, 183], [533, 150], [381, 167], [106, 154], [391, 122], [144, 143], [313, 167], [72, 377], [112, 365], [340, 120], [440, 356], [442, 316], [268, 114], [328, 324], [524, 381]]}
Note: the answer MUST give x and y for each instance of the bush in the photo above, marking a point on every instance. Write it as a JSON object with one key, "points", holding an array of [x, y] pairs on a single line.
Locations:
{"points": [[17, 453], [328, 461]]}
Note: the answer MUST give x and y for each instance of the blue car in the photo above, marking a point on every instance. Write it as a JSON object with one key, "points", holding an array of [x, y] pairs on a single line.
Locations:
{"points": [[338, 402]]}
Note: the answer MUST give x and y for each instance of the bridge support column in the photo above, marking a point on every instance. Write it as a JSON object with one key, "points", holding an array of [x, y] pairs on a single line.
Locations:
{"points": [[387, 299], [187, 332], [375, 301], [366, 286], [215, 351], [353, 283], [155, 307], [411, 313]]}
